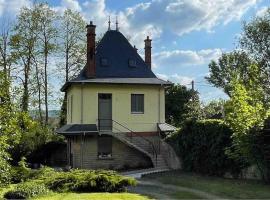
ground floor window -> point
(104, 146)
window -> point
(137, 103)
(104, 146)
(104, 62)
(132, 63)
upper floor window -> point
(132, 63)
(137, 103)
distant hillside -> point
(52, 113)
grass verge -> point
(224, 188)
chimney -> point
(91, 50)
(147, 51)
(135, 48)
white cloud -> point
(184, 16)
(158, 16)
(12, 7)
(71, 4)
(178, 58)
(68, 4)
(261, 11)
(176, 78)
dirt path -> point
(161, 191)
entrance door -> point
(105, 112)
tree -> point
(214, 109)
(256, 41)
(46, 35)
(245, 113)
(179, 104)
(73, 48)
(23, 44)
(9, 129)
(6, 57)
(229, 65)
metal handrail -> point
(154, 151)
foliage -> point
(9, 130)
(214, 109)
(255, 40)
(43, 153)
(5, 175)
(228, 65)
(202, 144)
(26, 190)
(244, 110)
(88, 181)
(33, 137)
(245, 113)
(179, 105)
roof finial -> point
(109, 23)
(116, 23)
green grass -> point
(224, 188)
(3, 190)
(92, 196)
(162, 193)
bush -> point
(88, 181)
(26, 190)
(202, 145)
(21, 172)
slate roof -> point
(116, 49)
(74, 129)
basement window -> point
(132, 63)
(137, 103)
(104, 62)
(104, 146)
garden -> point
(27, 183)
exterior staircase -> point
(145, 146)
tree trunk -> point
(46, 84)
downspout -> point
(81, 104)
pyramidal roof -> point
(113, 56)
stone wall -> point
(84, 150)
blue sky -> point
(186, 34)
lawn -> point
(221, 187)
(84, 196)
(93, 196)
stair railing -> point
(132, 134)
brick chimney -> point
(147, 51)
(91, 50)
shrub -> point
(26, 190)
(202, 145)
(21, 172)
(88, 181)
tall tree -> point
(229, 65)
(73, 48)
(256, 41)
(181, 104)
(46, 34)
(6, 57)
(23, 43)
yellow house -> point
(116, 108)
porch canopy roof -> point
(164, 127)
(76, 129)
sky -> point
(186, 34)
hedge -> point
(26, 190)
(202, 145)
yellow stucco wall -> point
(85, 98)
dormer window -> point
(104, 62)
(132, 63)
